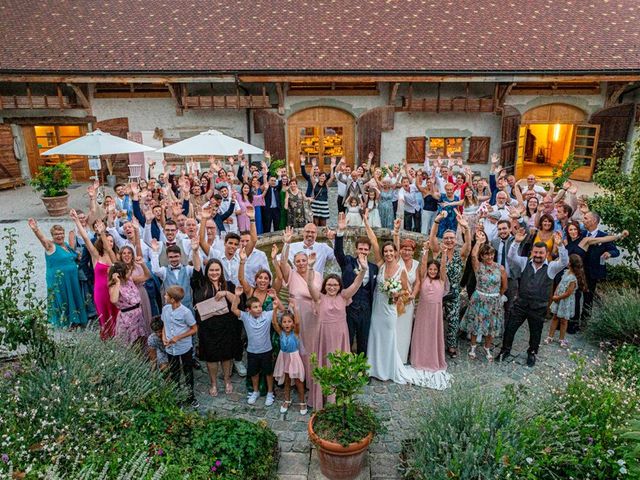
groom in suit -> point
(359, 311)
(595, 268)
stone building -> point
(532, 81)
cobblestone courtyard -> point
(400, 405)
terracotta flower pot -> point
(338, 462)
(56, 206)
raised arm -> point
(351, 290)
(46, 243)
(241, 275)
(83, 234)
(278, 280)
(513, 255)
(433, 234)
(251, 213)
(205, 215)
(310, 277)
(481, 239)
(373, 239)
(588, 241)
(466, 233)
(236, 301)
(284, 257)
(338, 248)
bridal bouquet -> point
(389, 287)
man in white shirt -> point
(129, 230)
(342, 178)
(407, 197)
(308, 244)
(256, 259)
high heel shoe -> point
(488, 352)
(472, 352)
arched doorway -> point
(548, 134)
(322, 133)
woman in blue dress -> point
(385, 205)
(65, 303)
(449, 202)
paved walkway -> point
(399, 404)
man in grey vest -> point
(536, 283)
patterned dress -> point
(130, 325)
(485, 313)
(451, 302)
(295, 215)
(385, 209)
(566, 307)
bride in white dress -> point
(382, 350)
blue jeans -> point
(428, 217)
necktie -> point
(503, 260)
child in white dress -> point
(372, 207)
(354, 215)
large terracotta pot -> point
(338, 462)
(57, 206)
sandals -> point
(228, 388)
(303, 408)
(213, 391)
(452, 352)
(285, 406)
(548, 340)
(488, 352)
(472, 352)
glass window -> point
(445, 146)
(309, 142)
(332, 143)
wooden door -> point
(321, 133)
(585, 144)
(40, 138)
(509, 145)
(479, 149)
(371, 124)
(9, 168)
(415, 149)
(614, 127)
(272, 126)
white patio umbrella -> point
(98, 143)
(211, 142)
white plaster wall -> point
(149, 113)
(418, 124)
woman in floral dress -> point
(485, 314)
(294, 204)
(124, 294)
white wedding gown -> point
(382, 351)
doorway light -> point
(556, 132)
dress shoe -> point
(531, 359)
(502, 356)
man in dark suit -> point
(359, 311)
(502, 244)
(595, 268)
(272, 204)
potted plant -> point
(343, 431)
(111, 178)
(53, 181)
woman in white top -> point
(404, 328)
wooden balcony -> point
(225, 101)
(437, 105)
(13, 102)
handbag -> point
(211, 307)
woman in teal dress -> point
(65, 303)
(485, 314)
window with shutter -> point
(479, 149)
(415, 149)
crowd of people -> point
(170, 265)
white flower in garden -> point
(529, 460)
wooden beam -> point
(466, 97)
(393, 93)
(614, 91)
(60, 96)
(84, 101)
(410, 95)
(176, 99)
(280, 93)
(29, 95)
(438, 99)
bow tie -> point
(170, 244)
(175, 268)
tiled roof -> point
(319, 35)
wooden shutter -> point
(614, 127)
(371, 124)
(585, 142)
(416, 147)
(479, 149)
(509, 145)
(272, 126)
(9, 168)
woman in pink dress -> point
(331, 303)
(243, 200)
(299, 291)
(427, 341)
(124, 294)
(139, 272)
(102, 256)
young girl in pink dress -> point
(299, 291)
(289, 368)
(427, 342)
(332, 302)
